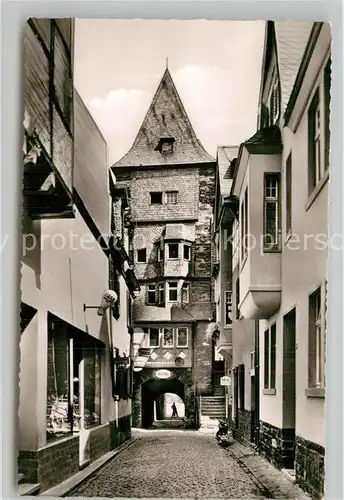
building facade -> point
(280, 180)
(170, 180)
(74, 405)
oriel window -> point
(172, 291)
(272, 228)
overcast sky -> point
(215, 65)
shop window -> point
(182, 337)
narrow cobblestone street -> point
(176, 464)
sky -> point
(215, 65)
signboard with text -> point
(225, 381)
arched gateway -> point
(149, 388)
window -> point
(228, 303)
(72, 358)
(167, 337)
(153, 337)
(244, 226)
(271, 212)
(253, 363)
(156, 198)
(187, 252)
(92, 372)
(114, 285)
(274, 100)
(316, 341)
(327, 103)
(142, 255)
(182, 337)
(173, 251)
(315, 141)
(151, 290)
(172, 197)
(288, 194)
(185, 293)
(172, 291)
(161, 293)
(270, 358)
(237, 300)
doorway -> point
(289, 389)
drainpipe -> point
(257, 382)
(193, 332)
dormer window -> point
(165, 145)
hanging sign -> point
(226, 381)
(163, 374)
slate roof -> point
(291, 41)
(166, 117)
(269, 137)
(225, 157)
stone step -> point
(27, 489)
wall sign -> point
(226, 381)
(163, 374)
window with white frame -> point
(182, 337)
(187, 252)
(316, 340)
(161, 293)
(244, 225)
(171, 197)
(185, 293)
(272, 228)
(151, 294)
(270, 358)
(228, 305)
(167, 339)
(154, 337)
(172, 291)
(319, 129)
(173, 251)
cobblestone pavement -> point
(175, 464)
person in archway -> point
(174, 411)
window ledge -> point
(269, 392)
(315, 392)
(312, 197)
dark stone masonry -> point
(310, 467)
(242, 432)
(277, 445)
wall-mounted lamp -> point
(109, 299)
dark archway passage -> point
(152, 390)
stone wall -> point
(202, 361)
(242, 432)
(99, 441)
(310, 467)
(52, 464)
(277, 445)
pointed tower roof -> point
(166, 136)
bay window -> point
(185, 293)
(228, 305)
(173, 251)
(172, 291)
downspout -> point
(257, 383)
(193, 333)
